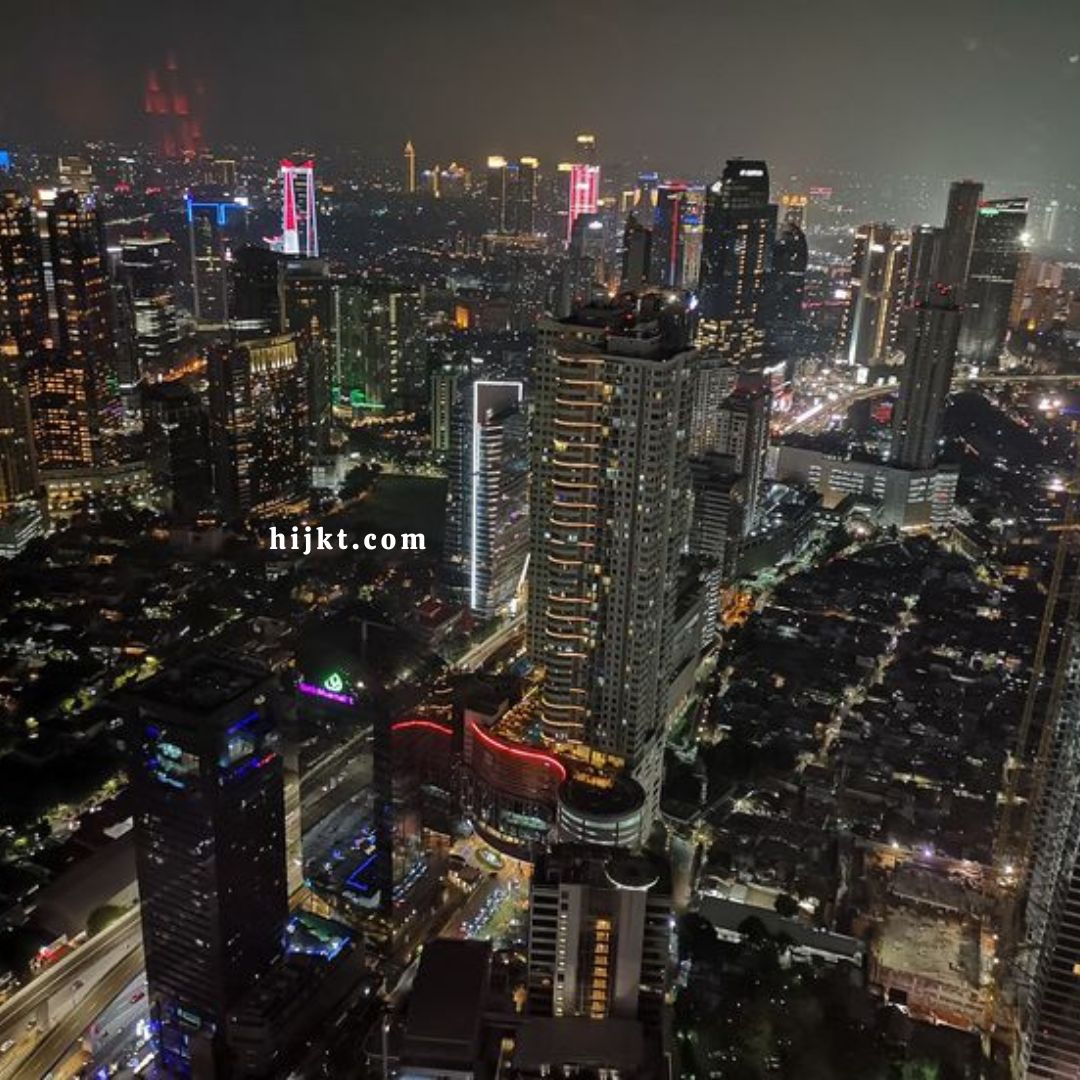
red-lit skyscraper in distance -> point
(174, 112)
(299, 230)
(584, 193)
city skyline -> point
(791, 98)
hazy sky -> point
(940, 87)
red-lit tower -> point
(174, 112)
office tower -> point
(445, 393)
(258, 424)
(148, 268)
(599, 935)
(992, 272)
(217, 225)
(720, 511)
(511, 192)
(176, 434)
(74, 174)
(380, 354)
(258, 292)
(583, 270)
(920, 273)
(790, 259)
(636, 256)
(299, 210)
(410, 168)
(1048, 222)
(742, 433)
(645, 194)
(309, 310)
(487, 512)
(953, 249)
(929, 344)
(609, 511)
(583, 193)
(223, 173)
(667, 235)
(60, 413)
(879, 263)
(85, 316)
(692, 229)
(24, 336)
(1050, 958)
(794, 207)
(208, 804)
(736, 252)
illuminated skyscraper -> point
(487, 515)
(299, 210)
(879, 264)
(740, 225)
(609, 510)
(995, 257)
(59, 410)
(790, 260)
(85, 316)
(216, 228)
(930, 332)
(258, 424)
(584, 193)
(410, 168)
(148, 267)
(24, 336)
(380, 358)
(742, 433)
(207, 788)
(512, 188)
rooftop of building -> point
(578, 1042)
(602, 796)
(203, 682)
(447, 1003)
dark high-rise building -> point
(24, 336)
(148, 267)
(85, 316)
(790, 258)
(879, 263)
(1050, 1046)
(258, 293)
(217, 225)
(207, 786)
(636, 254)
(992, 272)
(309, 314)
(176, 434)
(258, 424)
(924, 244)
(666, 249)
(742, 434)
(929, 344)
(953, 248)
(736, 253)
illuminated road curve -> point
(819, 414)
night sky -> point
(937, 87)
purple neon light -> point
(331, 695)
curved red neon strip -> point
(515, 751)
(404, 725)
